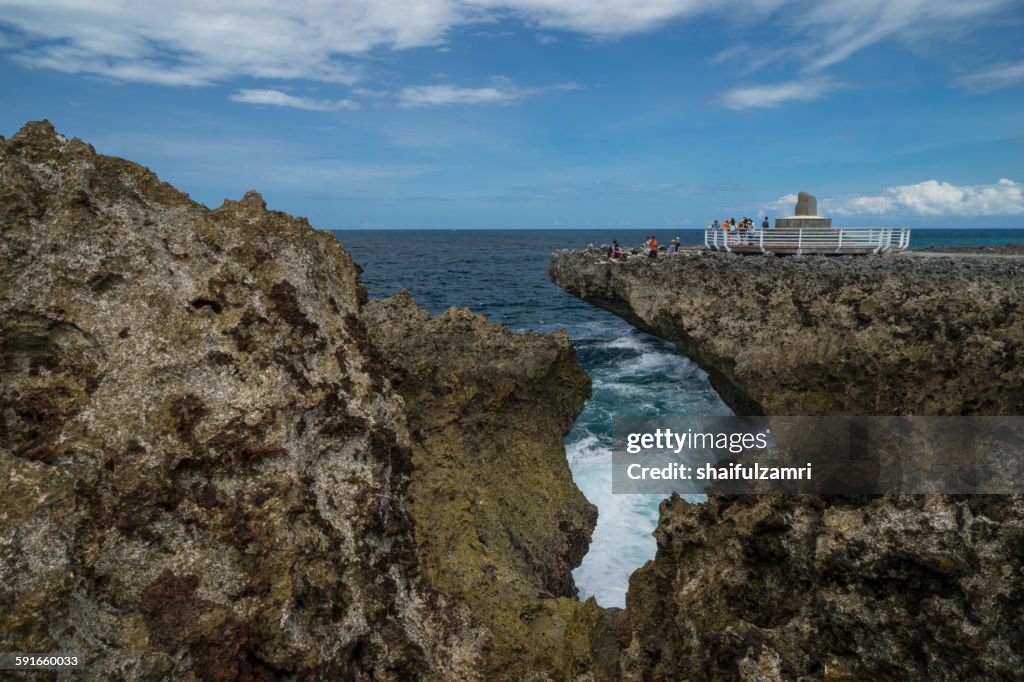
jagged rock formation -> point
(828, 335)
(812, 587)
(787, 587)
(218, 461)
(205, 469)
(487, 409)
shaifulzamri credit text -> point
(733, 471)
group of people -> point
(741, 231)
(649, 247)
(747, 224)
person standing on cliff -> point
(764, 223)
(653, 246)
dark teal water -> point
(503, 274)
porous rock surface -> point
(784, 587)
(821, 335)
(204, 468)
(487, 412)
(791, 587)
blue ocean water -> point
(503, 274)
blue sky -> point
(543, 113)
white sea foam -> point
(627, 342)
(632, 374)
(588, 449)
(622, 540)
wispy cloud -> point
(754, 60)
(996, 77)
(329, 173)
(825, 33)
(280, 99)
(775, 94)
(195, 42)
(207, 159)
(444, 95)
(842, 28)
(502, 91)
(370, 92)
(606, 17)
(610, 189)
(928, 198)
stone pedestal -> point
(803, 221)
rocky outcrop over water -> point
(820, 335)
(775, 587)
(206, 470)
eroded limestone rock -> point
(823, 335)
(207, 473)
(499, 522)
(204, 469)
(776, 587)
(770, 587)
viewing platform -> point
(810, 240)
(806, 232)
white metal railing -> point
(810, 240)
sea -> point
(503, 274)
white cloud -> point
(279, 99)
(501, 92)
(993, 78)
(774, 94)
(842, 27)
(602, 17)
(196, 42)
(442, 95)
(827, 32)
(928, 198)
(370, 92)
(331, 174)
(784, 205)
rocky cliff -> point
(487, 411)
(788, 587)
(206, 470)
(219, 461)
(827, 335)
(777, 587)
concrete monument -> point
(806, 214)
